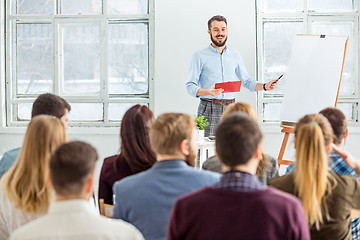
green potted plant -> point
(201, 123)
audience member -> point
(239, 206)
(136, 154)
(327, 197)
(24, 192)
(336, 164)
(71, 216)
(147, 198)
(268, 167)
(48, 104)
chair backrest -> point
(105, 209)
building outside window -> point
(97, 54)
(278, 21)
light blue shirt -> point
(8, 160)
(208, 67)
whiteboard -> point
(314, 75)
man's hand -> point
(271, 85)
(349, 160)
(215, 92)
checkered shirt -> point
(241, 181)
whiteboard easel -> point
(314, 79)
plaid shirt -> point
(241, 181)
(338, 165)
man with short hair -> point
(216, 64)
(338, 122)
(71, 216)
(239, 206)
(48, 104)
(146, 199)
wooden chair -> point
(105, 209)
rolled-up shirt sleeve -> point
(192, 85)
(243, 75)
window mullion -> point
(104, 92)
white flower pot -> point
(200, 135)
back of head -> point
(338, 123)
(313, 133)
(237, 138)
(134, 137)
(70, 166)
(169, 130)
(240, 107)
(49, 104)
(26, 181)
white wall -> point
(181, 30)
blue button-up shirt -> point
(8, 160)
(208, 67)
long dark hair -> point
(134, 137)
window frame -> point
(8, 82)
(307, 17)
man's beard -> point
(191, 157)
(217, 43)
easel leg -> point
(283, 147)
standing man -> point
(215, 64)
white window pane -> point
(272, 112)
(117, 110)
(282, 5)
(81, 59)
(81, 7)
(34, 6)
(349, 109)
(128, 58)
(34, 58)
(332, 5)
(24, 111)
(278, 37)
(341, 29)
(127, 6)
(86, 112)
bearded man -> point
(216, 64)
(147, 198)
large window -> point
(97, 54)
(278, 21)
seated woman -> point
(24, 190)
(327, 197)
(135, 155)
(268, 167)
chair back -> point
(105, 209)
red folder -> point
(233, 86)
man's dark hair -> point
(237, 137)
(49, 104)
(218, 18)
(70, 165)
(337, 121)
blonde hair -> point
(248, 109)
(168, 130)
(240, 107)
(26, 181)
(313, 133)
